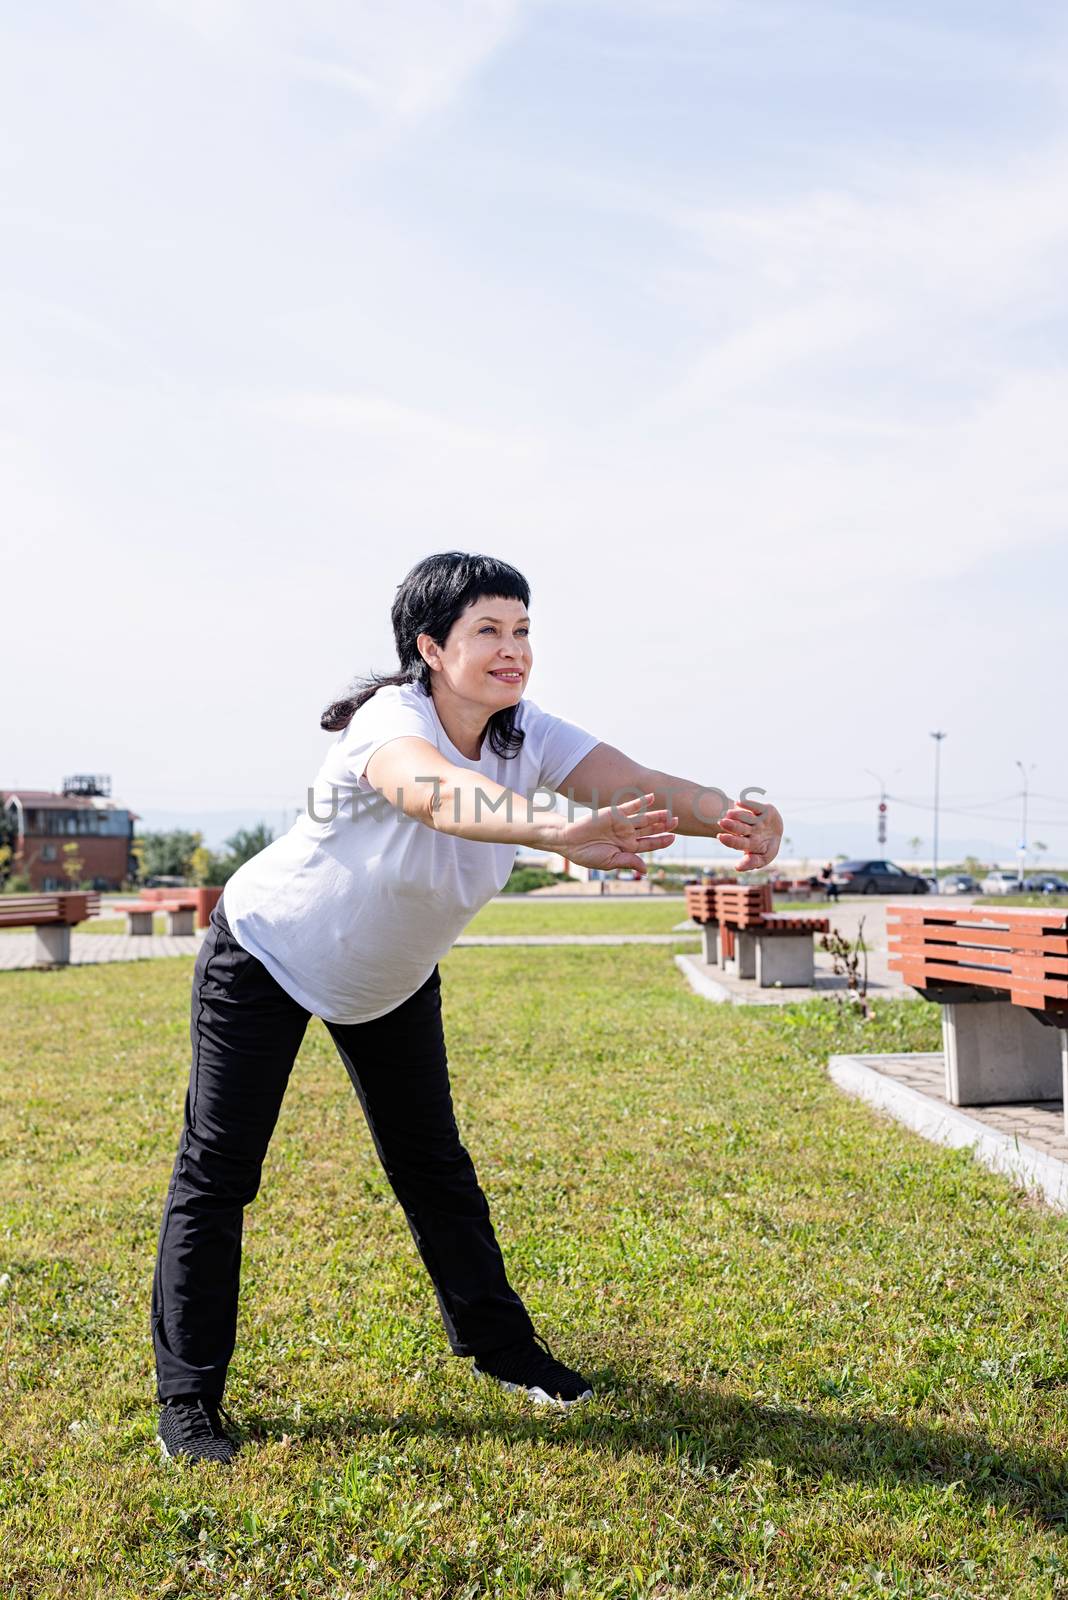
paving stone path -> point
(1039, 1123)
(87, 949)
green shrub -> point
(524, 879)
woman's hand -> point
(754, 828)
(613, 836)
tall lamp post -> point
(937, 737)
(1022, 856)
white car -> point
(1000, 881)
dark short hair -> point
(430, 598)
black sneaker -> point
(189, 1426)
(529, 1365)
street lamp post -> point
(1022, 854)
(937, 737)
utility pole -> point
(937, 737)
(1022, 855)
(880, 826)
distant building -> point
(82, 813)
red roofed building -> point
(84, 814)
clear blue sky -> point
(740, 328)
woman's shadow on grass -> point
(709, 1434)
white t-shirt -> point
(350, 914)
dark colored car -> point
(958, 883)
(877, 877)
(1046, 883)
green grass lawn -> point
(102, 925)
(830, 1357)
(579, 916)
(1060, 901)
(117, 925)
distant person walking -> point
(830, 888)
(420, 804)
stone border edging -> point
(947, 1125)
(706, 987)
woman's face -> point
(487, 656)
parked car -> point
(1046, 883)
(1001, 881)
(877, 877)
(959, 883)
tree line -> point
(183, 854)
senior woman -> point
(413, 824)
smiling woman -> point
(439, 598)
(412, 826)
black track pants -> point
(246, 1032)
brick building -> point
(82, 813)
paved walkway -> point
(1039, 1123)
(713, 984)
(88, 949)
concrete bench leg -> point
(52, 946)
(180, 921)
(997, 1052)
(139, 921)
(710, 943)
(744, 963)
(786, 959)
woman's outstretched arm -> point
(607, 776)
(414, 776)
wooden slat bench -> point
(784, 953)
(745, 937)
(796, 888)
(139, 916)
(51, 916)
(1001, 978)
(202, 900)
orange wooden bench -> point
(744, 936)
(139, 916)
(51, 916)
(796, 888)
(1001, 978)
(201, 900)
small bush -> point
(524, 879)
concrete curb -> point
(948, 1125)
(706, 987)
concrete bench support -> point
(710, 943)
(744, 963)
(786, 959)
(998, 1052)
(139, 922)
(51, 945)
(180, 921)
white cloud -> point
(405, 59)
(745, 360)
(376, 417)
(412, 57)
(975, 237)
